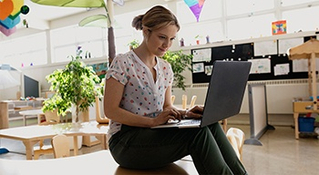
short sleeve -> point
(117, 69)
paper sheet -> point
(260, 66)
(281, 69)
(263, 48)
(201, 55)
(198, 67)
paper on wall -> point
(281, 69)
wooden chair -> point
(236, 138)
(184, 101)
(193, 100)
(50, 118)
(99, 119)
(61, 146)
(173, 99)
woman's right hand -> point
(167, 114)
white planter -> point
(79, 142)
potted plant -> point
(133, 44)
(179, 62)
(197, 38)
(74, 86)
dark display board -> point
(31, 87)
(237, 52)
(244, 52)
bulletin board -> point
(269, 60)
(204, 58)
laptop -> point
(224, 94)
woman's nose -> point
(166, 43)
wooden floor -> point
(280, 153)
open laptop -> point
(224, 94)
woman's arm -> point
(112, 97)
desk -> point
(36, 112)
(96, 163)
(30, 135)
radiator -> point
(279, 94)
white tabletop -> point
(40, 131)
(96, 163)
(31, 112)
(92, 163)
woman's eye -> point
(162, 37)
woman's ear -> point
(146, 31)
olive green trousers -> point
(145, 148)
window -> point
(209, 23)
(211, 29)
(304, 19)
(124, 32)
(235, 7)
(65, 42)
(290, 2)
(25, 51)
(250, 27)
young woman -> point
(138, 96)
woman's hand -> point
(194, 112)
(167, 114)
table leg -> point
(103, 140)
(29, 148)
(25, 120)
(296, 115)
(75, 145)
(39, 119)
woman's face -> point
(159, 41)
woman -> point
(138, 96)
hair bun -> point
(137, 22)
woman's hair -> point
(155, 18)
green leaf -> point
(72, 3)
(95, 21)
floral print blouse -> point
(141, 94)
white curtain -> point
(6, 80)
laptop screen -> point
(225, 91)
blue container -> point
(306, 124)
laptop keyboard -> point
(189, 122)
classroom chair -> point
(60, 144)
(50, 118)
(236, 138)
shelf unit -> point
(9, 110)
(310, 51)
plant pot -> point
(79, 142)
(52, 117)
(80, 117)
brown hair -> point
(155, 18)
